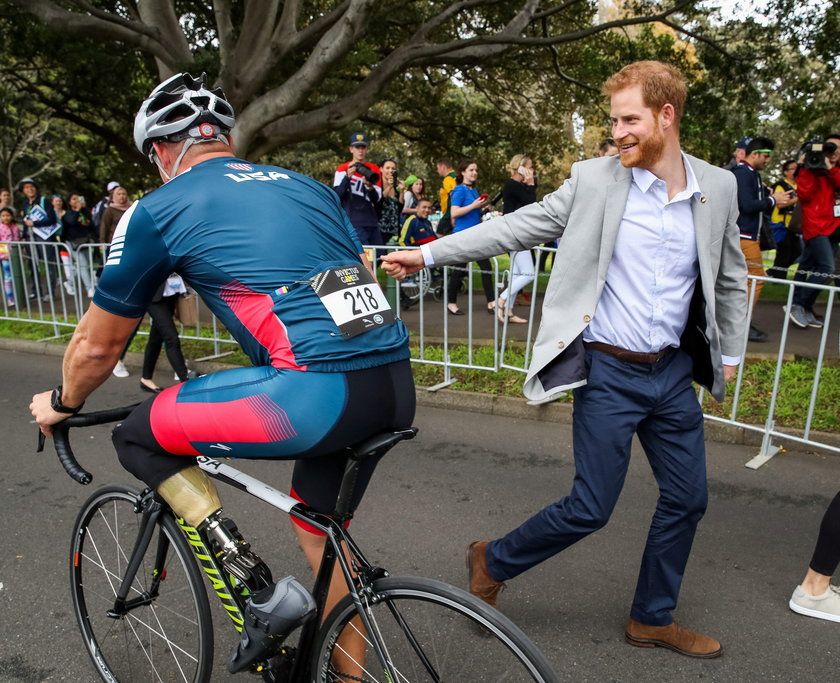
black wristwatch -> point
(58, 406)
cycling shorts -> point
(269, 413)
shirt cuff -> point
(427, 255)
(731, 360)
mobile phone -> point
(483, 196)
(522, 170)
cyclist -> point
(274, 257)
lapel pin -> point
(702, 199)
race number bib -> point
(353, 299)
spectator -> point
(817, 188)
(786, 231)
(69, 282)
(607, 148)
(118, 205)
(164, 333)
(466, 205)
(41, 226)
(739, 153)
(359, 187)
(754, 200)
(447, 173)
(78, 230)
(519, 190)
(632, 240)
(9, 232)
(415, 191)
(102, 204)
(389, 207)
(815, 596)
(418, 229)
(5, 198)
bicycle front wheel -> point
(428, 631)
(168, 634)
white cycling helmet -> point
(180, 108)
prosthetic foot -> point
(270, 616)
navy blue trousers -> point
(658, 403)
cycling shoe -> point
(270, 615)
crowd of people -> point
(50, 223)
(47, 222)
(383, 209)
(798, 215)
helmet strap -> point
(189, 142)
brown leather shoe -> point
(674, 637)
(482, 585)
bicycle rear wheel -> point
(167, 638)
(430, 631)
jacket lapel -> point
(702, 219)
(615, 200)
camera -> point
(371, 176)
(815, 154)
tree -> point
(298, 69)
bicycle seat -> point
(380, 443)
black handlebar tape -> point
(62, 441)
(66, 458)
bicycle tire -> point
(462, 638)
(168, 639)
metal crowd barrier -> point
(50, 283)
(768, 430)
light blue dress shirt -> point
(651, 277)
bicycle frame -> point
(333, 527)
(337, 538)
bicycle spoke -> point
(427, 632)
(165, 636)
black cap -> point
(760, 144)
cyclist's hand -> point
(398, 264)
(45, 416)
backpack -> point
(795, 224)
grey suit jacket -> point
(585, 213)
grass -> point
(795, 387)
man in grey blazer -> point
(648, 292)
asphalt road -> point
(466, 476)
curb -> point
(472, 402)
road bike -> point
(143, 610)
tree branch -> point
(138, 34)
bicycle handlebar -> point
(62, 438)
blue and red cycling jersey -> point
(248, 238)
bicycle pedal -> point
(278, 669)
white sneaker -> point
(825, 606)
(69, 288)
(120, 370)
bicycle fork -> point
(151, 510)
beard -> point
(646, 152)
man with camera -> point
(754, 200)
(818, 186)
(359, 186)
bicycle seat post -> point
(348, 487)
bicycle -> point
(144, 614)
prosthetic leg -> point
(273, 610)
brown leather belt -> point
(629, 356)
